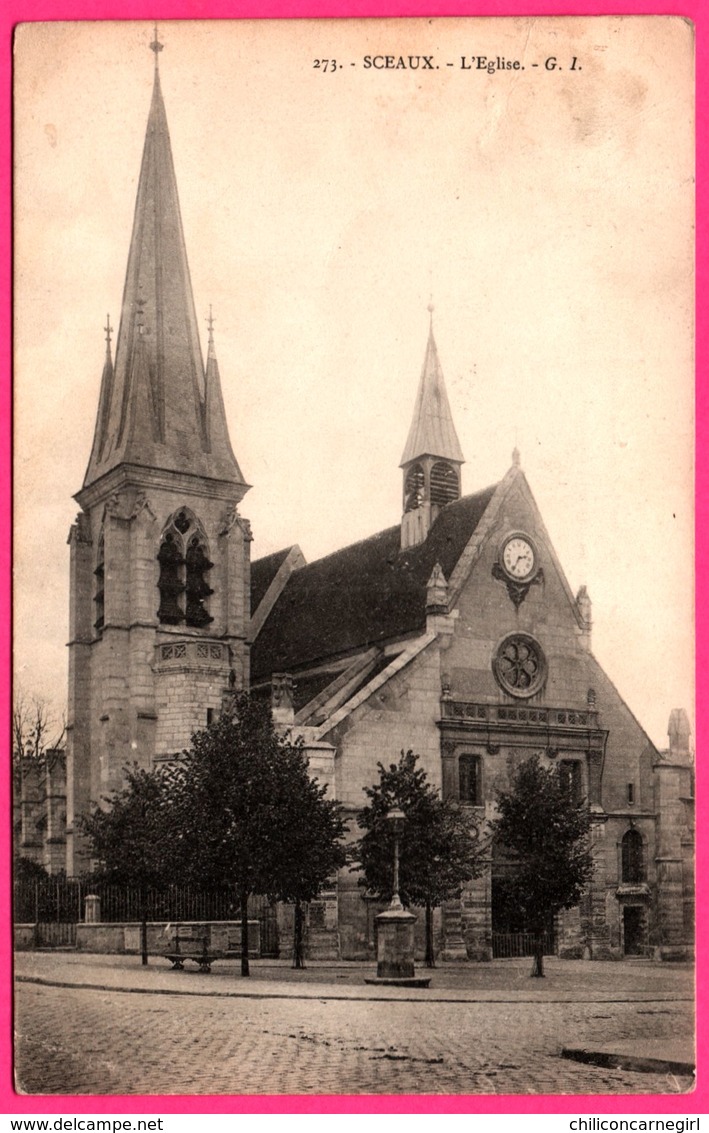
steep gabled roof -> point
(263, 572)
(158, 408)
(369, 592)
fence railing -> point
(62, 900)
(506, 945)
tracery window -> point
(414, 488)
(444, 484)
(184, 562)
(519, 665)
(470, 780)
(632, 857)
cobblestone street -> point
(76, 1040)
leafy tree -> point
(27, 869)
(314, 830)
(542, 832)
(439, 844)
(133, 837)
(249, 814)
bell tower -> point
(432, 457)
(159, 604)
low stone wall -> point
(222, 936)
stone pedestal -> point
(92, 909)
(453, 943)
(395, 950)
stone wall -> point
(125, 938)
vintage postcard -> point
(354, 446)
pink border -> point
(23, 10)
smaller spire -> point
(516, 458)
(432, 431)
(210, 329)
(156, 46)
(109, 330)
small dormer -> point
(432, 457)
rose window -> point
(519, 665)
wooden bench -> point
(192, 945)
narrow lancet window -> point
(170, 582)
(99, 592)
(196, 589)
(470, 780)
(632, 858)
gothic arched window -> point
(414, 488)
(632, 857)
(444, 484)
(183, 563)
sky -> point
(545, 211)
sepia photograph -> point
(353, 524)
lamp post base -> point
(395, 950)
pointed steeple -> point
(432, 456)
(155, 409)
(432, 431)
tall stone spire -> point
(432, 431)
(155, 410)
(432, 456)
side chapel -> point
(454, 632)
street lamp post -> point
(395, 928)
(396, 819)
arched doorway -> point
(634, 930)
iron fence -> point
(60, 901)
(506, 945)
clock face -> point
(519, 558)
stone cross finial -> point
(156, 45)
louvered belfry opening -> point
(184, 562)
(444, 484)
(414, 488)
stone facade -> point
(454, 634)
(443, 692)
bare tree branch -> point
(36, 731)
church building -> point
(454, 632)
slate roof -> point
(367, 593)
(158, 407)
(432, 431)
(263, 572)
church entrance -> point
(633, 930)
